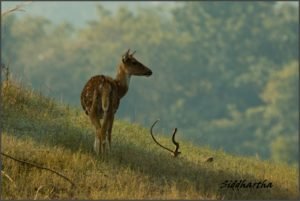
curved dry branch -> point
(166, 148)
(38, 166)
(16, 8)
(176, 152)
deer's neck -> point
(123, 79)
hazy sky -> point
(59, 11)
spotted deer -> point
(101, 95)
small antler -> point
(132, 53)
(176, 152)
(127, 52)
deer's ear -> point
(125, 56)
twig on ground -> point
(176, 152)
(37, 192)
(9, 178)
(38, 166)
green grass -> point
(42, 131)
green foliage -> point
(224, 73)
(281, 94)
(285, 148)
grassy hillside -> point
(42, 131)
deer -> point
(101, 95)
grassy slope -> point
(42, 131)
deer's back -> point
(98, 85)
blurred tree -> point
(285, 149)
(222, 71)
(282, 112)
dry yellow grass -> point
(45, 132)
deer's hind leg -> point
(109, 130)
(95, 119)
(97, 141)
(102, 133)
(106, 108)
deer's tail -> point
(105, 97)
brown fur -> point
(101, 95)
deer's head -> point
(133, 67)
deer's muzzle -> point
(148, 73)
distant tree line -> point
(226, 74)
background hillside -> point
(54, 135)
(226, 74)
